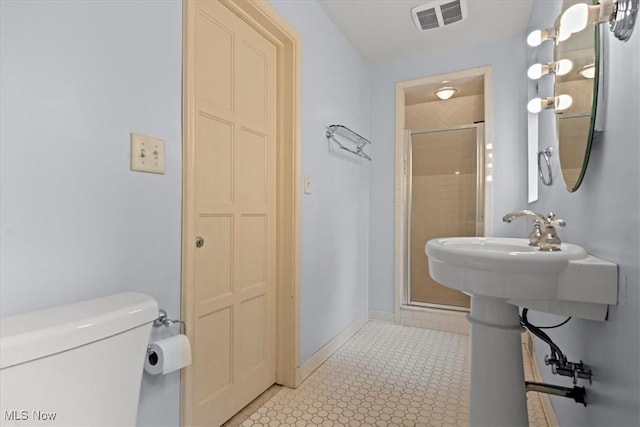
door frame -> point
(402, 170)
(266, 21)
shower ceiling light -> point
(445, 92)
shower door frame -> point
(480, 201)
(403, 312)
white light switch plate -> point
(147, 154)
(307, 184)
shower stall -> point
(445, 189)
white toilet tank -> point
(75, 365)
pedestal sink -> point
(501, 274)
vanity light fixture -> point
(445, 92)
(560, 68)
(620, 14)
(588, 71)
(558, 103)
(536, 37)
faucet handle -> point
(536, 233)
(550, 240)
(550, 221)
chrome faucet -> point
(546, 239)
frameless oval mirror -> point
(576, 123)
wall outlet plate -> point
(147, 154)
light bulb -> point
(535, 105)
(560, 68)
(535, 71)
(574, 19)
(588, 71)
(538, 104)
(534, 38)
(563, 35)
(562, 102)
(563, 66)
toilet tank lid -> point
(29, 336)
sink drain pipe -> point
(579, 394)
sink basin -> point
(503, 253)
(566, 282)
(501, 274)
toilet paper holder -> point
(163, 320)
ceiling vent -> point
(436, 14)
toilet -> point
(75, 365)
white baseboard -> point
(320, 356)
(434, 319)
(425, 317)
(382, 316)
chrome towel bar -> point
(352, 137)
(546, 154)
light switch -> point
(307, 184)
(147, 154)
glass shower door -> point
(445, 200)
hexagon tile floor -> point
(385, 375)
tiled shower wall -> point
(452, 112)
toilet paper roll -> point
(168, 355)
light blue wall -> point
(76, 78)
(335, 217)
(603, 216)
(507, 59)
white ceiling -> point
(383, 30)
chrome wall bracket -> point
(163, 320)
(622, 22)
(357, 141)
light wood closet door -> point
(235, 171)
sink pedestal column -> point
(498, 396)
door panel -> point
(252, 152)
(235, 166)
(214, 50)
(253, 341)
(214, 152)
(214, 342)
(251, 76)
(213, 277)
(252, 252)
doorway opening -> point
(444, 165)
